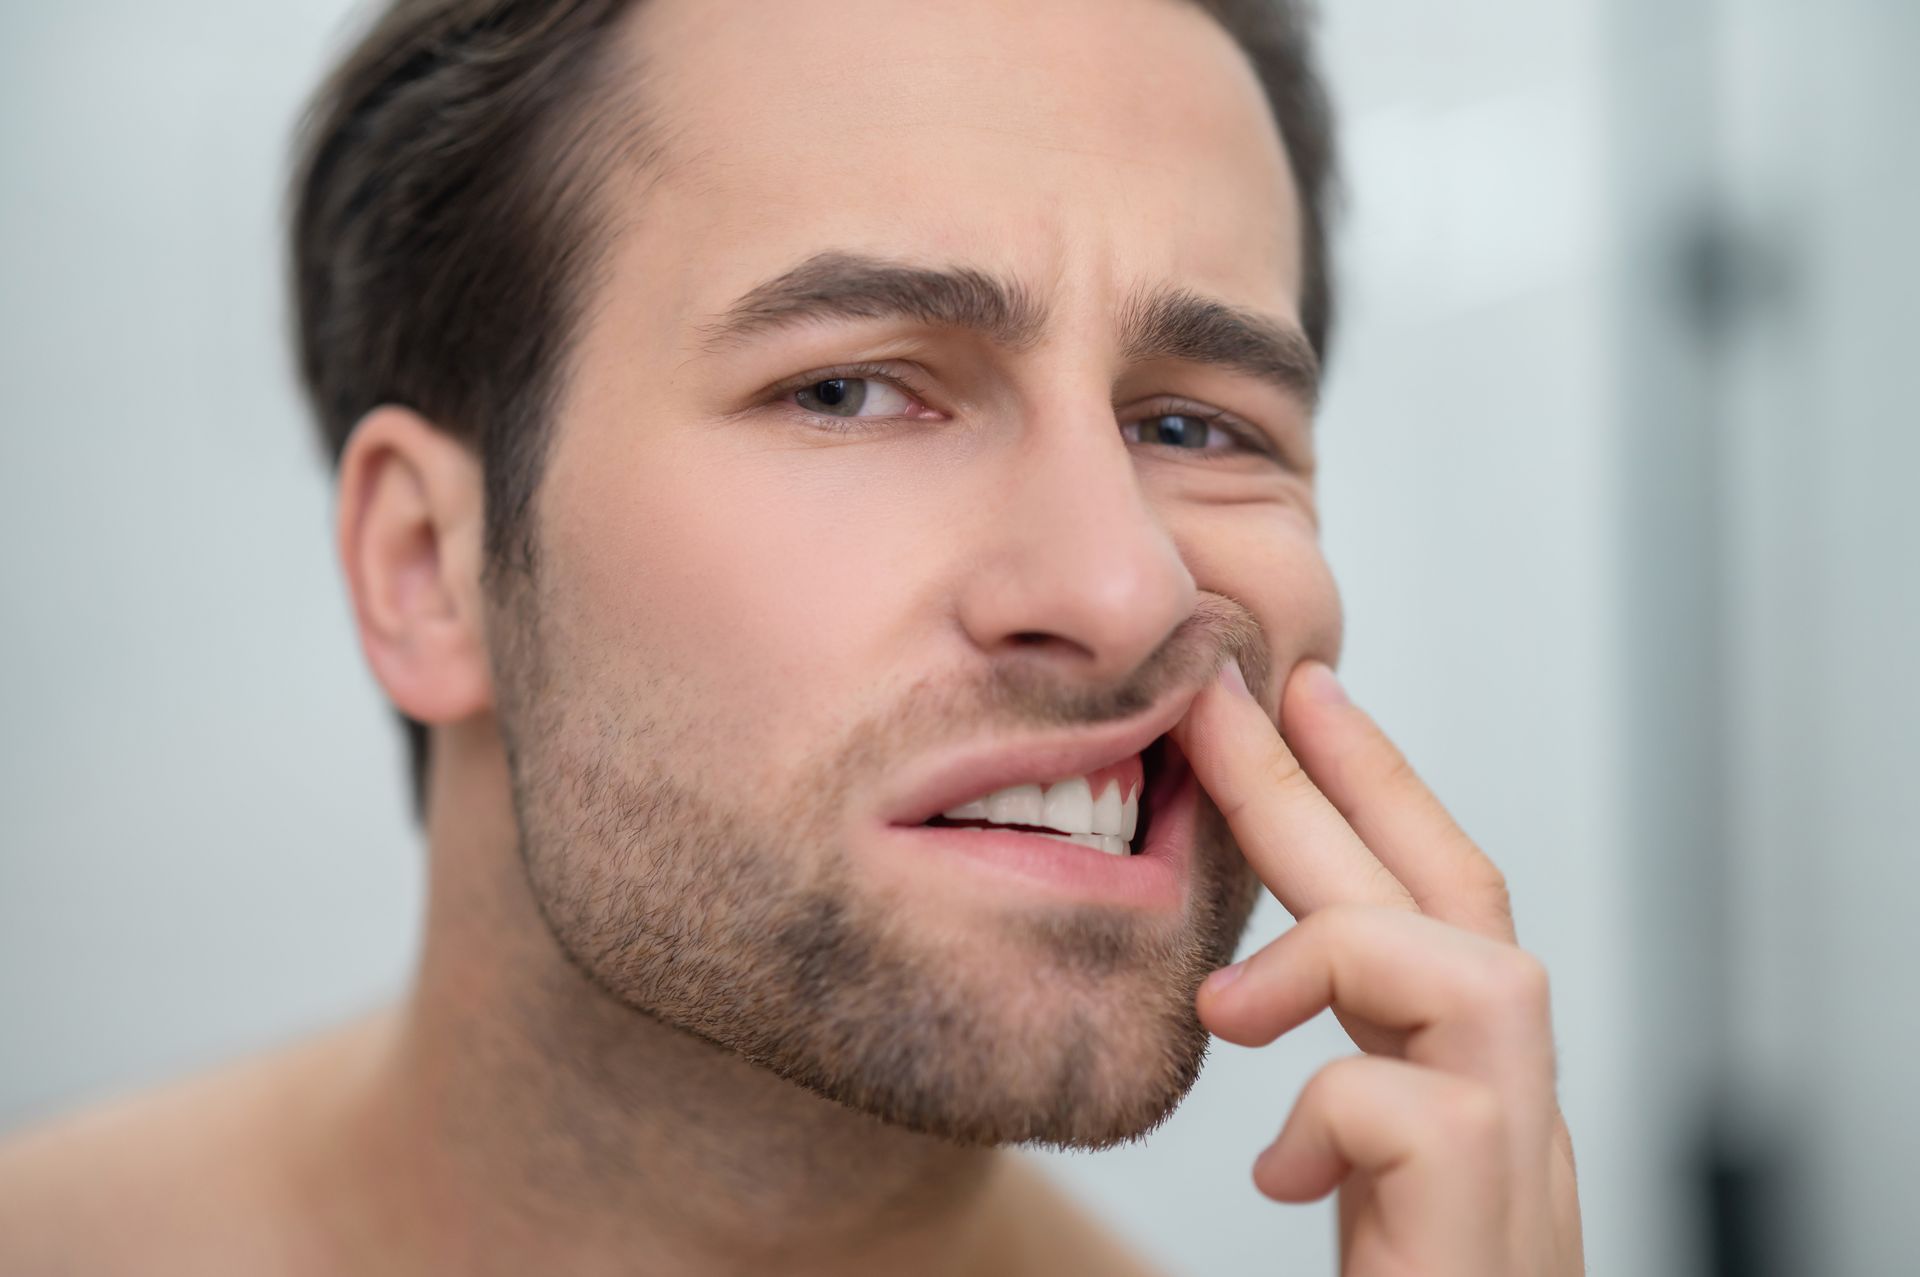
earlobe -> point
(408, 532)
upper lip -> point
(975, 771)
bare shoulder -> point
(189, 1177)
(1053, 1233)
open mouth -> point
(1109, 811)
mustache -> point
(1018, 695)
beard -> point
(731, 910)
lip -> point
(1157, 878)
(976, 770)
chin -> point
(1022, 1049)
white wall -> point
(205, 843)
(1819, 102)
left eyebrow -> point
(1180, 324)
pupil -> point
(841, 396)
(1178, 430)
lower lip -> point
(1155, 878)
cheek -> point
(755, 588)
(1274, 567)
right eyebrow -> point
(855, 286)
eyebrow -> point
(1181, 324)
(851, 286)
(1165, 323)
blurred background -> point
(1618, 450)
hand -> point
(1445, 1139)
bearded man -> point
(829, 487)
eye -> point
(1189, 430)
(853, 397)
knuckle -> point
(1531, 986)
(1284, 773)
(1338, 919)
(1396, 773)
(1337, 927)
(1515, 983)
(1492, 884)
(1385, 885)
(1330, 1089)
(1470, 1118)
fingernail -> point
(1235, 681)
(1323, 686)
(1224, 977)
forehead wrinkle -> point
(855, 286)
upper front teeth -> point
(1067, 805)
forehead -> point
(1084, 147)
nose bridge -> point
(1079, 569)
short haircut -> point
(446, 226)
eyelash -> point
(1249, 437)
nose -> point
(1077, 570)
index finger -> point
(1298, 843)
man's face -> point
(810, 563)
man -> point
(812, 476)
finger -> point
(1296, 841)
(1434, 1146)
(1455, 1001)
(1368, 780)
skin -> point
(658, 766)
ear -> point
(408, 531)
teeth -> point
(1018, 805)
(1106, 813)
(1112, 844)
(1068, 806)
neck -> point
(527, 1121)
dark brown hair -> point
(446, 230)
